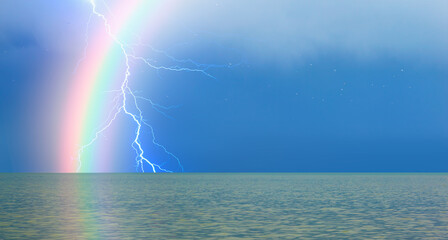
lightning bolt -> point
(125, 96)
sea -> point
(224, 206)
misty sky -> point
(315, 85)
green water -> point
(224, 206)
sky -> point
(284, 86)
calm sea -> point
(224, 206)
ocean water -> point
(224, 206)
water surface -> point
(230, 206)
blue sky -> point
(319, 85)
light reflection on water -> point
(197, 206)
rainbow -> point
(88, 103)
